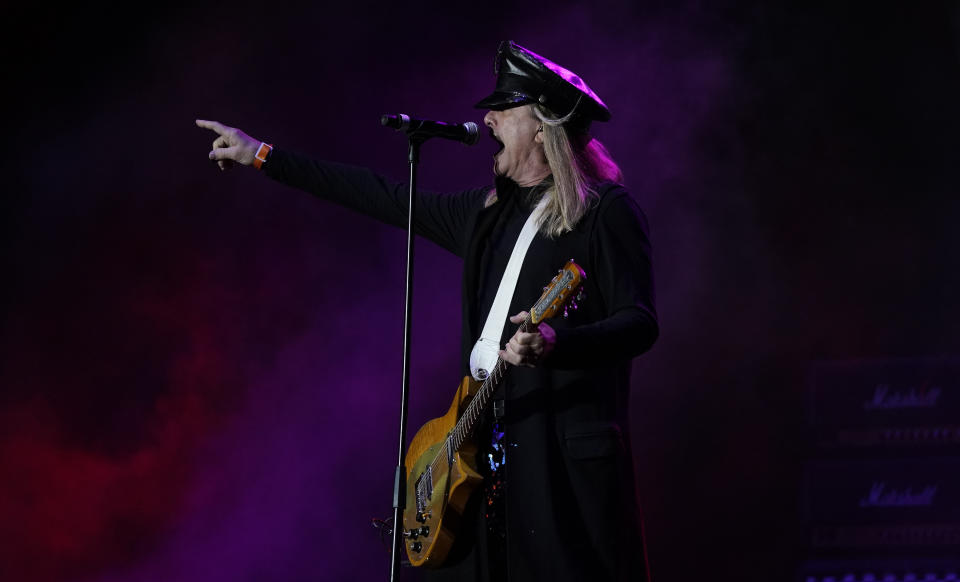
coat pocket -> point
(592, 440)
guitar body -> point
(455, 478)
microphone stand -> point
(399, 483)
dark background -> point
(199, 370)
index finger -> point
(213, 125)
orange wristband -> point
(261, 155)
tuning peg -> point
(566, 312)
(581, 294)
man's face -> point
(521, 156)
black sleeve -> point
(620, 253)
(441, 218)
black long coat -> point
(571, 503)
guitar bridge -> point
(424, 489)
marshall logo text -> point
(885, 398)
(882, 496)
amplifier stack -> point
(881, 486)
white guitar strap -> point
(486, 351)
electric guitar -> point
(444, 475)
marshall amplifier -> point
(909, 569)
(883, 505)
(892, 404)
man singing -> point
(558, 500)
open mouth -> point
(500, 145)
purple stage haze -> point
(200, 370)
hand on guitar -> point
(529, 349)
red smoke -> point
(68, 509)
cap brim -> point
(499, 100)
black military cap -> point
(525, 77)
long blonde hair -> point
(578, 163)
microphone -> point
(465, 133)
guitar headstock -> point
(561, 290)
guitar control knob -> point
(413, 534)
(416, 547)
(420, 518)
(424, 530)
